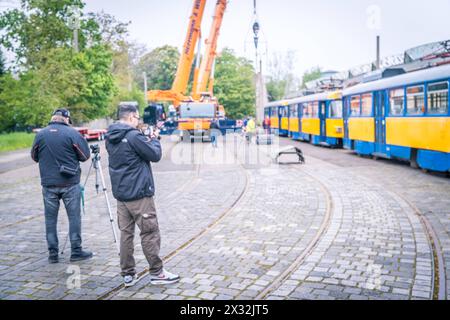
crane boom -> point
(204, 74)
(187, 56)
(179, 86)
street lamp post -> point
(74, 24)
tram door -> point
(380, 122)
(323, 119)
(346, 113)
(299, 117)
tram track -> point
(439, 291)
(309, 248)
(195, 238)
(439, 285)
(88, 198)
(180, 189)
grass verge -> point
(15, 141)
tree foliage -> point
(123, 63)
(160, 65)
(281, 79)
(51, 73)
(234, 85)
(37, 27)
(311, 75)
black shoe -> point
(53, 258)
(81, 255)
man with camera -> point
(130, 153)
(58, 149)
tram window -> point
(396, 98)
(355, 106)
(415, 100)
(336, 109)
(366, 105)
(438, 98)
(294, 111)
(315, 109)
(305, 110)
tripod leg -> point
(65, 243)
(111, 217)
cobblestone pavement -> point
(244, 229)
(428, 192)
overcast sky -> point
(333, 34)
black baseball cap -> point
(63, 113)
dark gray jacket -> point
(67, 147)
(130, 153)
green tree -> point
(281, 80)
(160, 65)
(96, 95)
(107, 29)
(311, 75)
(234, 84)
(276, 89)
(36, 27)
(128, 90)
(52, 74)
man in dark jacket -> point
(58, 149)
(130, 153)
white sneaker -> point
(165, 277)
(130, 281)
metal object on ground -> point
(290, 150)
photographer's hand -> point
(155, 134)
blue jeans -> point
(214, 140)
(71, 197)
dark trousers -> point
(71, 197)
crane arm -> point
(210, 51)
(179, 86)
(187, 56)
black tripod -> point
(99, 178)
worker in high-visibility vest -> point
(250, 129)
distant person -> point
(245, 122)
(130, 153)
(266, 124)
(215, 132)
(172, 111)
(58, 149)
(250, 129)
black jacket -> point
(67, 147)
(130, 153)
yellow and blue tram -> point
(405, 117)
(278, 112)
(315, 118)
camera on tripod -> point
(95, 148)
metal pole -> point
(75, 40)
(144, 74)
(378, 53)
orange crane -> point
(206, 71)
(196, 111)
(177, 94)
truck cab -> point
(194, 118)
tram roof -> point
(329, 95)
(435, 73)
